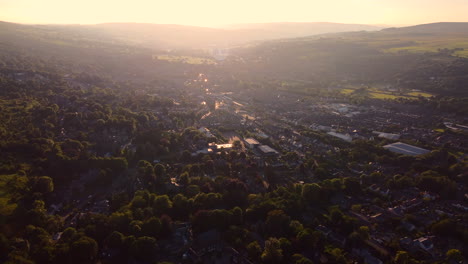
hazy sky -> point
(223, 12)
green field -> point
(377, 93)
(433, 46)
(423, 94)
(347, 91)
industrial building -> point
(267, 150)
(402, 148)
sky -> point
(215, 13)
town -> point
(186, 159)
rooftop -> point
(406, 149)
(252, 141)
(345, 137)
(267, 149)
(223, 146)
(387, 135)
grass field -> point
(462, 53)
(377, 93)
(422, 43)
(347, 91)
(423, 94)
(433, 46)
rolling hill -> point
(165, 36)
(432, 28)
(432, 58)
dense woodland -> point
(92, 121)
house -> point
(408, 226)
(206, 132)
(380, 217)
(413, 203)
(337, 239)
(387, 135)
(267, 150)
(397, 211)
(251, 143)
(219, 147)
(323, 229)
(378, 190)
(427, 196)
(424, 243)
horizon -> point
(211, 13)
(224, 26)
(230, 26)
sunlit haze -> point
(221, 12)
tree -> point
(144, 248)
(286, 247)
(192, 190)
(152, 227)
(120, 220)
(135, 228)
(166, 225)
(160, 172)
(44, 185)
(352, 186)
(236, 144)
(454, 255)
(364, 232)
(84, 249)
(277, 223)
(355, 239)
(146, 172)
(236, 236)
(4, 247)
(37, 216)
(254, 251)
(445, 227)
(162, 204)
(300, 259)
(68, 234)
(296, 227)
(181, 206)
(184, 179)
(272, 252)
(311, 192)
(116, 240)
(237, 216)
(337, 255)
(308, 238)
(336, 216)
(402, 257)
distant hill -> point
(299, 29)
(431, 57)
(178, 36)
(432, 28)
(166, 36)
